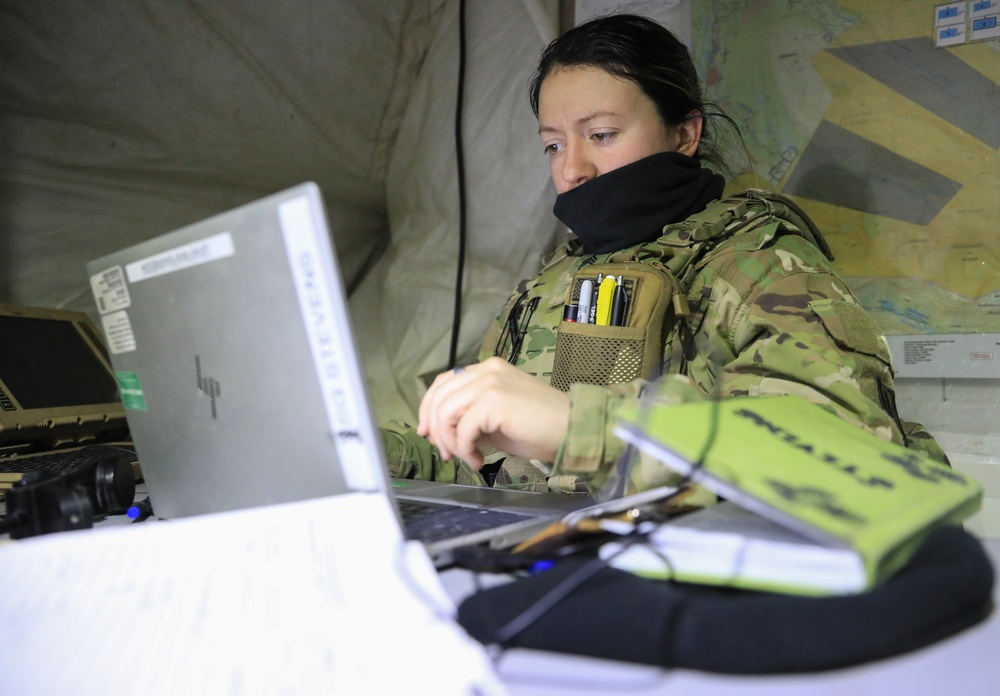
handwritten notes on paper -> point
(322, 596)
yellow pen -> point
(605, 294)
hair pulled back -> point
(642, 51)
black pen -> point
(618, 303)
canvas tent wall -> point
(122, 121)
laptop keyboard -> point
(429, 522)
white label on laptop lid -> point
(118, 330)
(326, 341)
(218, 246)
(110, 290)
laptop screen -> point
(47, 363)
(55, 380)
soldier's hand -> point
(493, 403)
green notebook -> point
(803, 468)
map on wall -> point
(891, 145)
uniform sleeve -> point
(802, 332)
(593, 456)
(409, 456)
(779, 321)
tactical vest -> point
(540, 336)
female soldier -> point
(758, 308)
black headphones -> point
(43, 503)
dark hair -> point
(642, 51)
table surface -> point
(967, 663)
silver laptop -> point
(234, 354)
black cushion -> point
(946, 587)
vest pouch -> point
(603, 355)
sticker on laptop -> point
(218, 246)
(118, 332)
(331, 348)
(131, 390)
(110, 290)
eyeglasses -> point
(515, 327)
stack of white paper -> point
(322, 596)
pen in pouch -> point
(604, 297)
(593, 298)
(593, 302)
(619, 303)
(586, 301)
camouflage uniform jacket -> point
(768, 315)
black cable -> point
(550, 599)
(456, 323)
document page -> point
(322, 596)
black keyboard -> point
(55, 463)
(68, 489)
(427, 521)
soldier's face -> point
(592, 122)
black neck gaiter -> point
(631, 204)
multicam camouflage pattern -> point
(769, 315)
